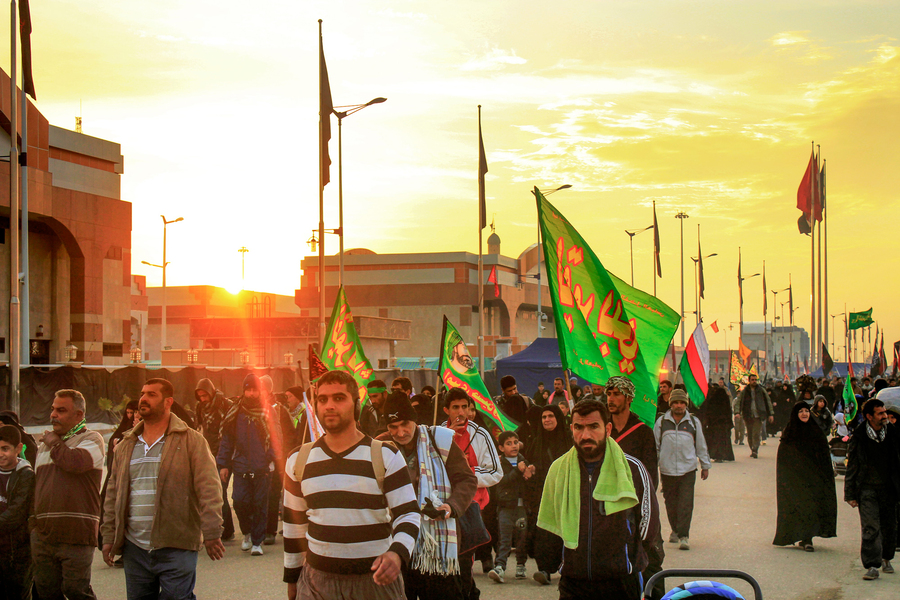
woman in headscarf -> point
(717, 424)
(807, 501)
(783, 403)
(821, 415)
(551, 441)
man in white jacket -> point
(680, 443)
(481, 454)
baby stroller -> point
(839, 447)
(702, 589)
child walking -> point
(511, 506)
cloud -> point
(494, 60)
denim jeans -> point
(162, 574)
(511, 535)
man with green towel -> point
(601, 502)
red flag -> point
(744, 351)
(715, 326)
(492, 278)
(316, 367)
(850, 369)
(808, 194)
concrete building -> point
(79, 243)
(423, 287)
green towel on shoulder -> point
(561, 502)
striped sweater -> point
(338, 520)
(67, 491)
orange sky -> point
(705, 107)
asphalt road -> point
(733, 527)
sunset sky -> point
(705, 107)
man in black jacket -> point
(872, 484)
(636, 439)
(212, 406)
(604, 541)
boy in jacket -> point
(511, 506)
(16, 496)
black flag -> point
(827, 363)
(25, 33)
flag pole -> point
(819, 266)
(655, 257)
(812, 264)
(480, 262)
(822, 189)
(15, 346)
(765, 323)
(321, 200)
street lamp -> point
(540, 309)
(245, 357)
(136, 355)
(697, 284)
(631, 234)
(192, 356)
(289, 359)
(341, 115)
(163, 267)
(71, 353)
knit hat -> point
(252, 382)
(678, 396)
(297, 391)
(397, 407)
(621, 383)
(268, 384)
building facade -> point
(79, 249)
(424, 287)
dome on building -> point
(493, 239)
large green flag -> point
(860, 319)
(342, 350)
(850, 404)
(457, 369)
(604, 326)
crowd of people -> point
(401, 497)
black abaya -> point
(807, 501)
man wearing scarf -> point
(872, 484)
(443, 481)
(212, 406)
(601, 502)
(66, 501)
(246, 450)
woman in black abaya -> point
(717, 424)
(552, 439)
(807, 501)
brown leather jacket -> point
(188, 491)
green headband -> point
(376, 390)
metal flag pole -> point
(321, 270)
(812, 269)
(825, 252)
(15, 346)
(819, 339)
(23, 249)
(481, 265)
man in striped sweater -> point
(67, 501)
(350, 522)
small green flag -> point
(604, 326)
(457, 369)
(850, 405)
(860, 319)
(342, 350)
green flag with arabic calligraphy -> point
(860, 319)
(342, 350)
(604, 326)
(457, 369)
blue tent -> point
(538, 362)
(841, 370)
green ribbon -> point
(76, 430)
(377, 390)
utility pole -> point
(243, 250)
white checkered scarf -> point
(436, 548)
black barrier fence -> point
(108, 389)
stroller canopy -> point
(702, 590)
